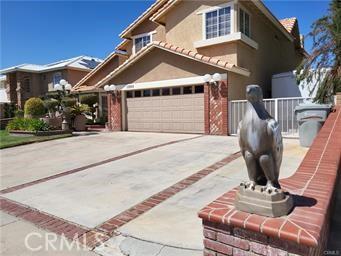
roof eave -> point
(260, 5)
(232, 68)
(141, 18)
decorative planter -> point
(38, 133)
(79, 123)
(54, 122)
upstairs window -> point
(244, 22)
(140, 42)
(57, 77)
(218, 22)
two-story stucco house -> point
(30, 80)
(181, 61)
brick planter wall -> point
(305, 230)
(114, 113)
(216, 109)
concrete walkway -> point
(173, 228)
(20, 238)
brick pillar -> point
(114, 113)
(215, 105)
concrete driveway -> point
(89, 180)
(35, 161)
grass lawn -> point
(7, 140)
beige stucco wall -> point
(104, 70)
(162, 65)
(149, 26)
(275, 53)
(184, 25)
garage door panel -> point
(177, 113)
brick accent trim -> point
(215, 107)
(93, 237)
(114, 112)
(305, 229)
(28, 184)
(138, 209)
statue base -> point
(274, 204)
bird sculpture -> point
(261, 143)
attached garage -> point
(178, 109)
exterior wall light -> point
(107, 88)
(212, 79)
(207, 78)
(216, 77)
(112, 87)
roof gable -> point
(150, 11)
(175, 50)
(161, 12)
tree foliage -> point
(324, 63)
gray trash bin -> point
(310, 119)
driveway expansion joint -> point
(83, 168)
(103, 232)
(135, 211)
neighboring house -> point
(30, 80)
(159, 68)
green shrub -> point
(34, 107)
(9, 110)
(19, 113)
(38, 125)
(79, 109)
(88, 99)
(51, 106)
(27, 124)
(68, 102)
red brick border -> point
(79, 169)
(111, 225)
(93, 237)
(305, 229)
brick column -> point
(215, 105)
(114, 113)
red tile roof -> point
(288, 23)
(177, 50)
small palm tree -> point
(324, 63)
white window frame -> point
(250, 19)
(142, 35)
(216, 8)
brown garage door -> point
(182, 113)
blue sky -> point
(40, 32)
